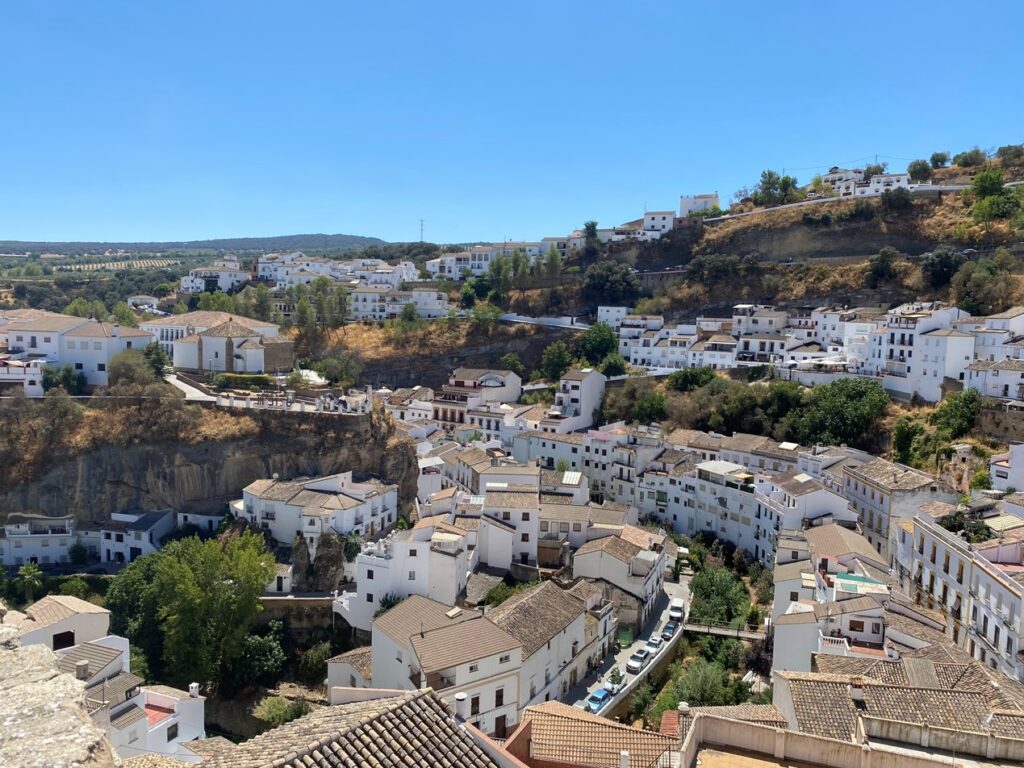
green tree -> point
(939, 159)
(156, 358)
(614, 364)
(555, 360)
(982, 480)
(484, 318)
(313, 663)
(552, 263)
(957, 413)
(881, 267)
(707, 684)
(897, 199)
(130, 368)
(874, 169)
(610, 282)
(205, 302)
(981, 288)
(261, 660)
(1011, 153)
(920, 170)
(29, 580)
(597, 342)
(123, 314)
(77, 554)
(305, 319)
(650, 408)
(261, 306)
(641, 701)
(939, 266)
(409, 315)
(988, 182)
(73, 382)
(689, 379)
(512, 362)
(75, 587)
(276, 711)
(717, 596)
(845, 411)
(972, 158)
(180, 308)
(341, 369)
(79, 307)
(467, 296)
(905, 431)
(161, 289)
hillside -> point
(310, 242)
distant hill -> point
(279, 243)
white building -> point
(36, 539)
(223, 275)
(234, 347)
(89, 347)
(695, 203)
(577, 399)
(657, 223)
(312, 507)
(127, 536)
(169, 329)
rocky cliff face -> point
(161, 475)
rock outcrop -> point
(169, 475)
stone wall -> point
(1000, 424)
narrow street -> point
(578, 694)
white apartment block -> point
(657, 223)
(127, 536)
(882, 492)
(168, 330)
(433, 559)
(577, 399)
(979, 587)
(223, 275)
(37, 539)
(1007, 469)
(695, 203)
(311, 507)
(470, 388)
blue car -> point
(598, 699)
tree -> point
(988, 183)
(305, 319)
(191, 605)
(353, 546)
(275, 711)
(484, 318)
(387, 602)
(717, 596)
(688, 379)
(467, 296)
(552, 263)
(156, 358)
(591, 240)
(73, 382)
(845, 411)
(341, 369)
(981, 288)
(313, 663)
(920, 170)
(512, 362)
(77, 554)
(881, 267)
(29, 580)
(939, 159)
(650, 408)
(774, 188)
(614, 364)
(180, 308)
(982, 480)
(409, 315)
(939, 266)
(874, 169)
(205, 303)
(707, 684)
(555, 360)
(75, 587)
(261, 661)
(597, 342)
(610, 282)
(1011, 153)
(123, 314)
(904, 432)
(641, 700)
(79, 307)
(897, 199)
(129, 368)
(970, 159)
(957, 413)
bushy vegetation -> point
(275, 711)
(610, 282)
(242, 381)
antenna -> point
(421, 230)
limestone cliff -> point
(167, 475)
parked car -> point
(677, 609)
(597, 700)
(638, 661)
(654, 644)
(613, 687)
(670, 628)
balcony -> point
(844, 646)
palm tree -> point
(29, 580)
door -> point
(280, 584)
(499, 727)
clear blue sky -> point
(127, 121)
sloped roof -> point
(560, 734)
(98, 657)
(461, 643)
(360, 658)
(414, 614)
(535, 615)
(54, 608)
(414, 729)
(615, 546)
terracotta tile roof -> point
(960, 710)
(229, 329)
(615, 546)
(54, 608)
(98, 657)
(414, 614)
(154, 760)
(215, 745)
(764, 714)
(536, 615)
(833, 541)
(936, 509)
(563, 734)
(892, 476)
(642, 538)
(130, 716)
(360, 658)
(461, 643)
(106, 331)
(823, 706)
(207, 319)
(414, 729)
(114, 690)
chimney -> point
(116, 331)
(461, 705)
(891, 652)
(683, 708)
(623, 759)
(82, 669)
(193, 690)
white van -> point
(677, 610)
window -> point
(499, 697)
(172, 732)
(506, 515)
(474, 667)
(504, 659)
(544, 525)
(101, 366)
(474, 705)
(793, 597)
(312, 522)
(577, 527)
(78, 366)
(526, 517)
(412, 553)
(369, 597)
(412, 575)
(524, 537)
(856, 626)
(369, 574)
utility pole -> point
(421, 230)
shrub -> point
(242, 381)
(276, 711)
(919, 170)
(970, 159)
(689, 379)
(313, 663)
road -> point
(551, 322)
(578, 694)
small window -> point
(793, 597)
(101, 366)
(474, 667)
(412, 553)
(369, 597)
(526, 517)
(504, 659)
(412, 575)
(172, 732)
(524, 537)
(369, 574)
